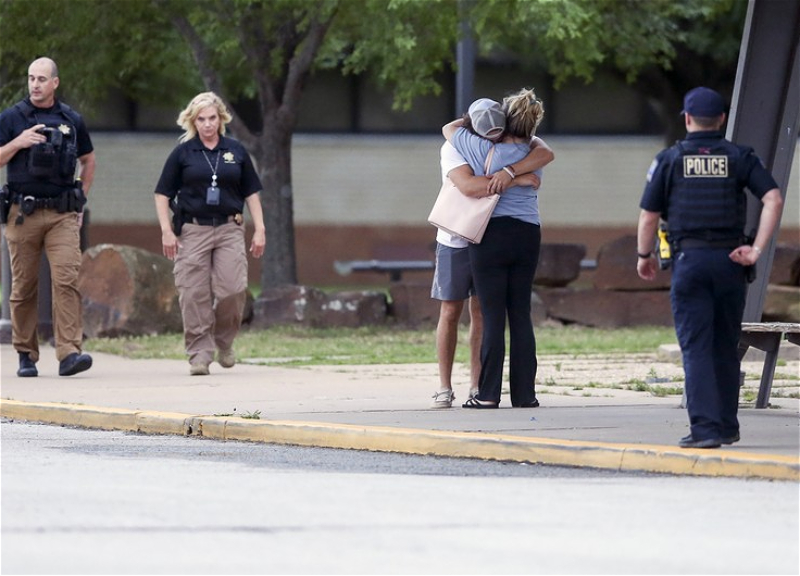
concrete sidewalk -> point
(385, 408)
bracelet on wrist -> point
(646, 255)
(757, 249)
(510, 171)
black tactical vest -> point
(54, 161)
(705, 198)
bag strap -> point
(488, 162)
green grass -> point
(295, 345)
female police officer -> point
(206, 181)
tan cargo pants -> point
(59, 236)
(211, 278)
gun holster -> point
(5, 204)
(76, 199)
(177, 221)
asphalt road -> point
(91, 502)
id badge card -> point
(212, 196)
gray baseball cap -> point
(487, 117)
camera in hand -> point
(43, 159)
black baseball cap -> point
(703, 102)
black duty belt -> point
(698, 243)
(212, 220)
(38, 203)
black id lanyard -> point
(212, 192)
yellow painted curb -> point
(623, 457)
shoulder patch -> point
(652, 169)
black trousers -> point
(503, 266)
(708, 298)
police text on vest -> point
(705, 166)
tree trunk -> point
(278, 266)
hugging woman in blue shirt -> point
(504, 263)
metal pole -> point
(465, 60)
(765, 110)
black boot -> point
(74, 363)
(27, 367)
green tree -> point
(259, 54)
(662, 48)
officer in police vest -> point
(42, 143)
(698, 188)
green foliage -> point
(253, 46)
(99, 46)
(579, 37)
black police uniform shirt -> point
(746, 170)
(187, 175)
(13, 122)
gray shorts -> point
(452, 278)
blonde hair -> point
(524, 112)
(187, 117)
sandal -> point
(475, 403)
(443, 399)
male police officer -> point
(697, 187)
(41, 142)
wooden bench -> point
(767, 336)
(394, 268)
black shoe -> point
(27, 367)
(475, 403)
(74, 363)
(690, 442)
(730, 439)
(532, 404)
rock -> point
(608, 308)
(127, 291)
(786, 265)
(559, 264)
(355, 308)
(412, 304)
(616, 268)
(781, 304)
(312, 307)
(538, 310)
(289, 304)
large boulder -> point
(616, 268)
(782, 304)
(127, 291)
(412, 304)
(559, 264)
(354, 308)
(786, 265)
(538, 310)
(307, 306)
(288, 304)
(608, 308)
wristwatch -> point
(645, 256)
